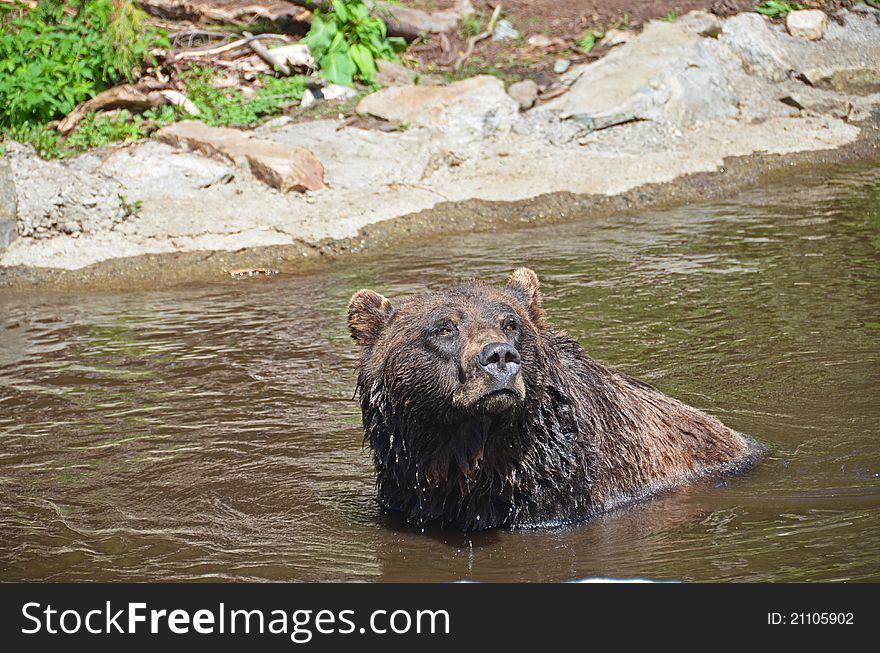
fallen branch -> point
(220, 49)
(264, 54)
(150, 95)
(472, 41)
(119, 97)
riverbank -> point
(686, 110)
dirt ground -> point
(565, 22)
(569, 18)
(565, 19)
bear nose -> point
(499, 359)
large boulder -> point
(478, 105)
(156, 170)
(754, 40)
(63, 197)
(284, 167)
(667, 73)
(846, 59)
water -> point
(210, 433)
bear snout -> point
(490, 378)
(501, 362)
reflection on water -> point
(210, 432)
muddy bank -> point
(472, 216)
(683, 111)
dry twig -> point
(264, 54)
(472, 41)
(126, 96)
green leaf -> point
(338, 68)
(589, 40)
(359, 12)
(319, 36)
(774, 8)
(364, 61)
(338, 44)
(340, 11)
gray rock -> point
(846, 59)
(478, 105)
(862, 8)
(561, 65)
(154, 169)
(666, 74)
(504, 31)
(330, 93)
(752, 39)
(808, 24)
(817, 102)
(525, 93)
(389, 73)
(616, 37)
(701, 22)
(53, 195)
(283, 167)
(857, 80)
(8, 206)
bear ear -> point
(523, 284)
(368, 312)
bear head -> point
(455, 355)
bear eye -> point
(445, 329)
(509, 326)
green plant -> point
(97, 130)
(230, 107)
(589, 40)
(131, 208)
(43, 139)
(774, 8)
(347, 41)
(471, 25)
(217, 107)
(51, 59)
(671, 17)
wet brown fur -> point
(573, 439)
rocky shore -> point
(679, 99)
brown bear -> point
(480, 414)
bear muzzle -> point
(501, 362)
(498, 385)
